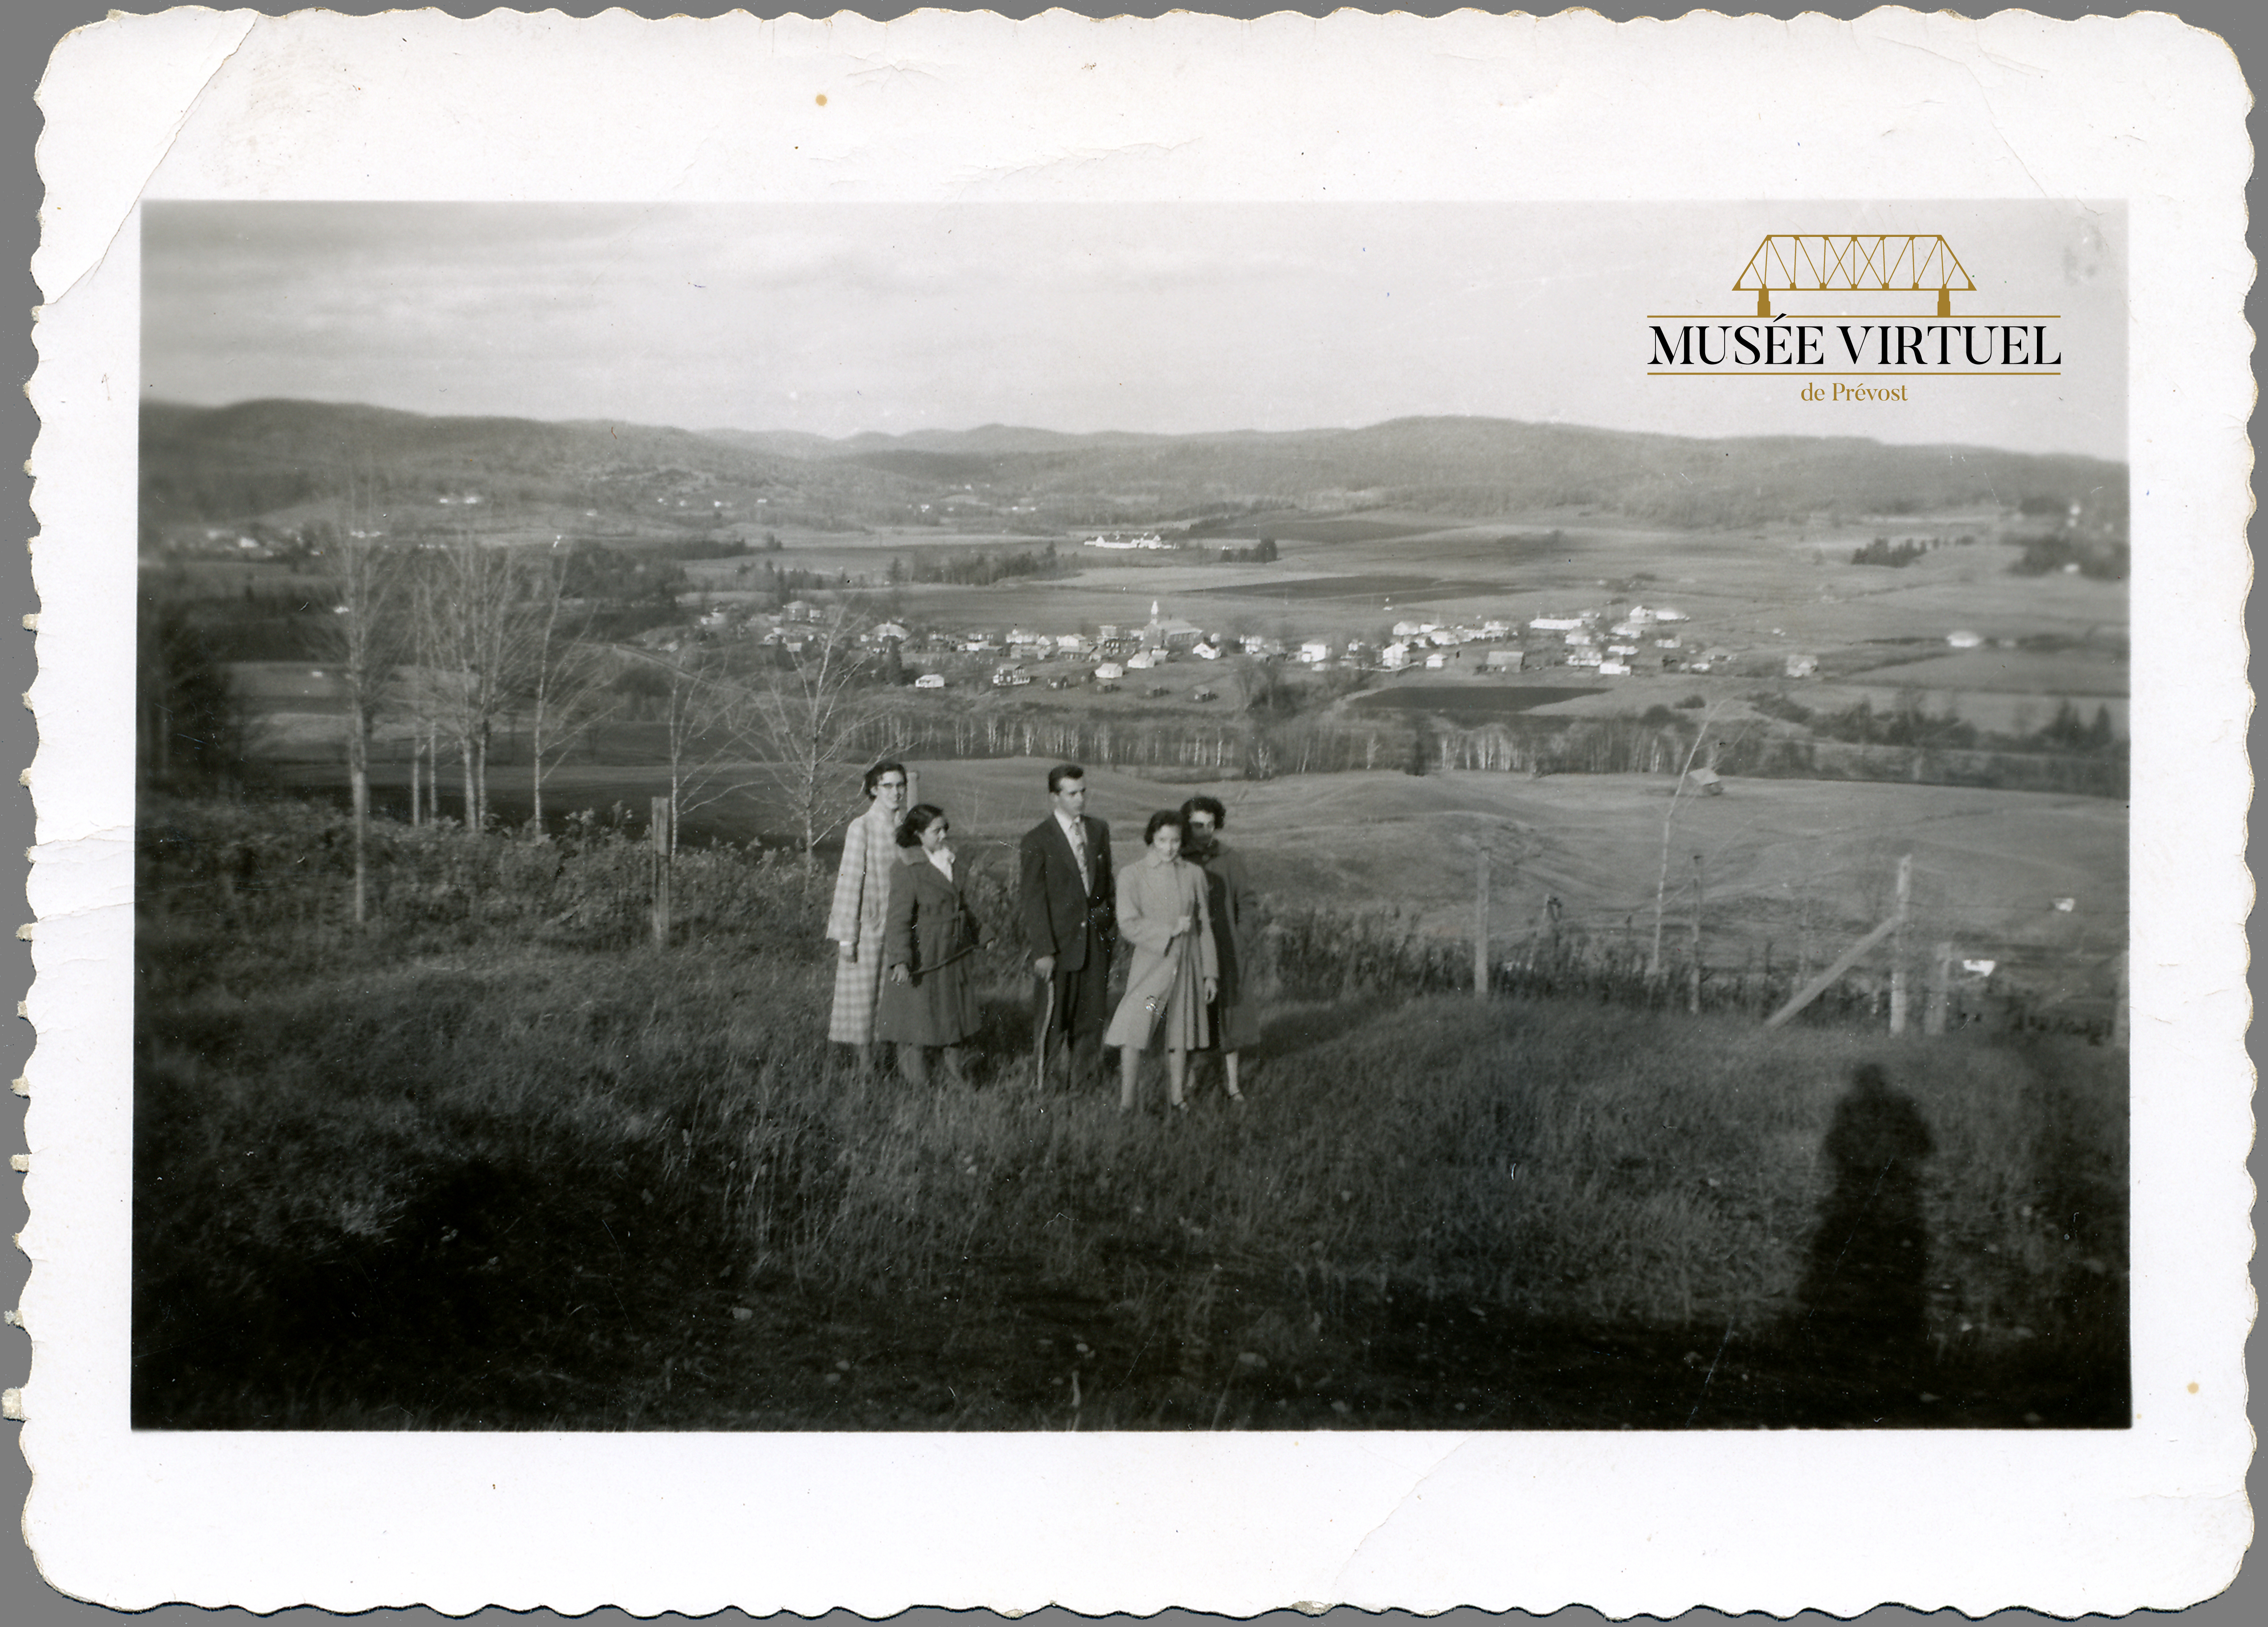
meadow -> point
(489, 1162)
(1792, 868)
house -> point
(1495, 630)
(1109, 672)
(1413, 630)
(1141, 662)
(886, 630)
(1664, 614)
(1443, 639)
(1116, 645)
(929, 680)
(1554, 624)
(1072, 644)
(1501, 661)
(1395, 657)
(1614, 669)
(1316, 651)
(1436, 661)
(1206, 651)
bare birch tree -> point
(569, 678)
(1677, 796)
(797, 726)
(363, 643)
(478, 637)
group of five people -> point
(905, 939)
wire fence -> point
(595, 883)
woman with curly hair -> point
(1162, 912)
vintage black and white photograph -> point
(1046, 817)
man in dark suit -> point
(1068, 900)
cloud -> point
(1165, 317)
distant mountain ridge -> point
(1481, 468)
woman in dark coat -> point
(929, 997)
(1236, 933)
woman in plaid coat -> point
(862, 903)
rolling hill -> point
(238, 461)
(1485, 467)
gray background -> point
(28, 30)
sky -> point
(1165, 318)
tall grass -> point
(457, 1171)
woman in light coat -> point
(1163, 913)
(929, 998)
(862, 905)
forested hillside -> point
(256, 457)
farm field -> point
(1477, 702)
(1779, 857)
(2016, 671)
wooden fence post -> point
(1940, 991)
(1481, 927)
(1849, 957)
(662, 838)
(1898, 946)
(1693, 1003)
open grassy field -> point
(471, 1168)
(1780, 857)
(1799, 865)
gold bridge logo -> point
(1856, 334)
(1853, 263)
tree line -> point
(447, 644)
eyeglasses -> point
(1200, 824)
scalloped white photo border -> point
(198, 104)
